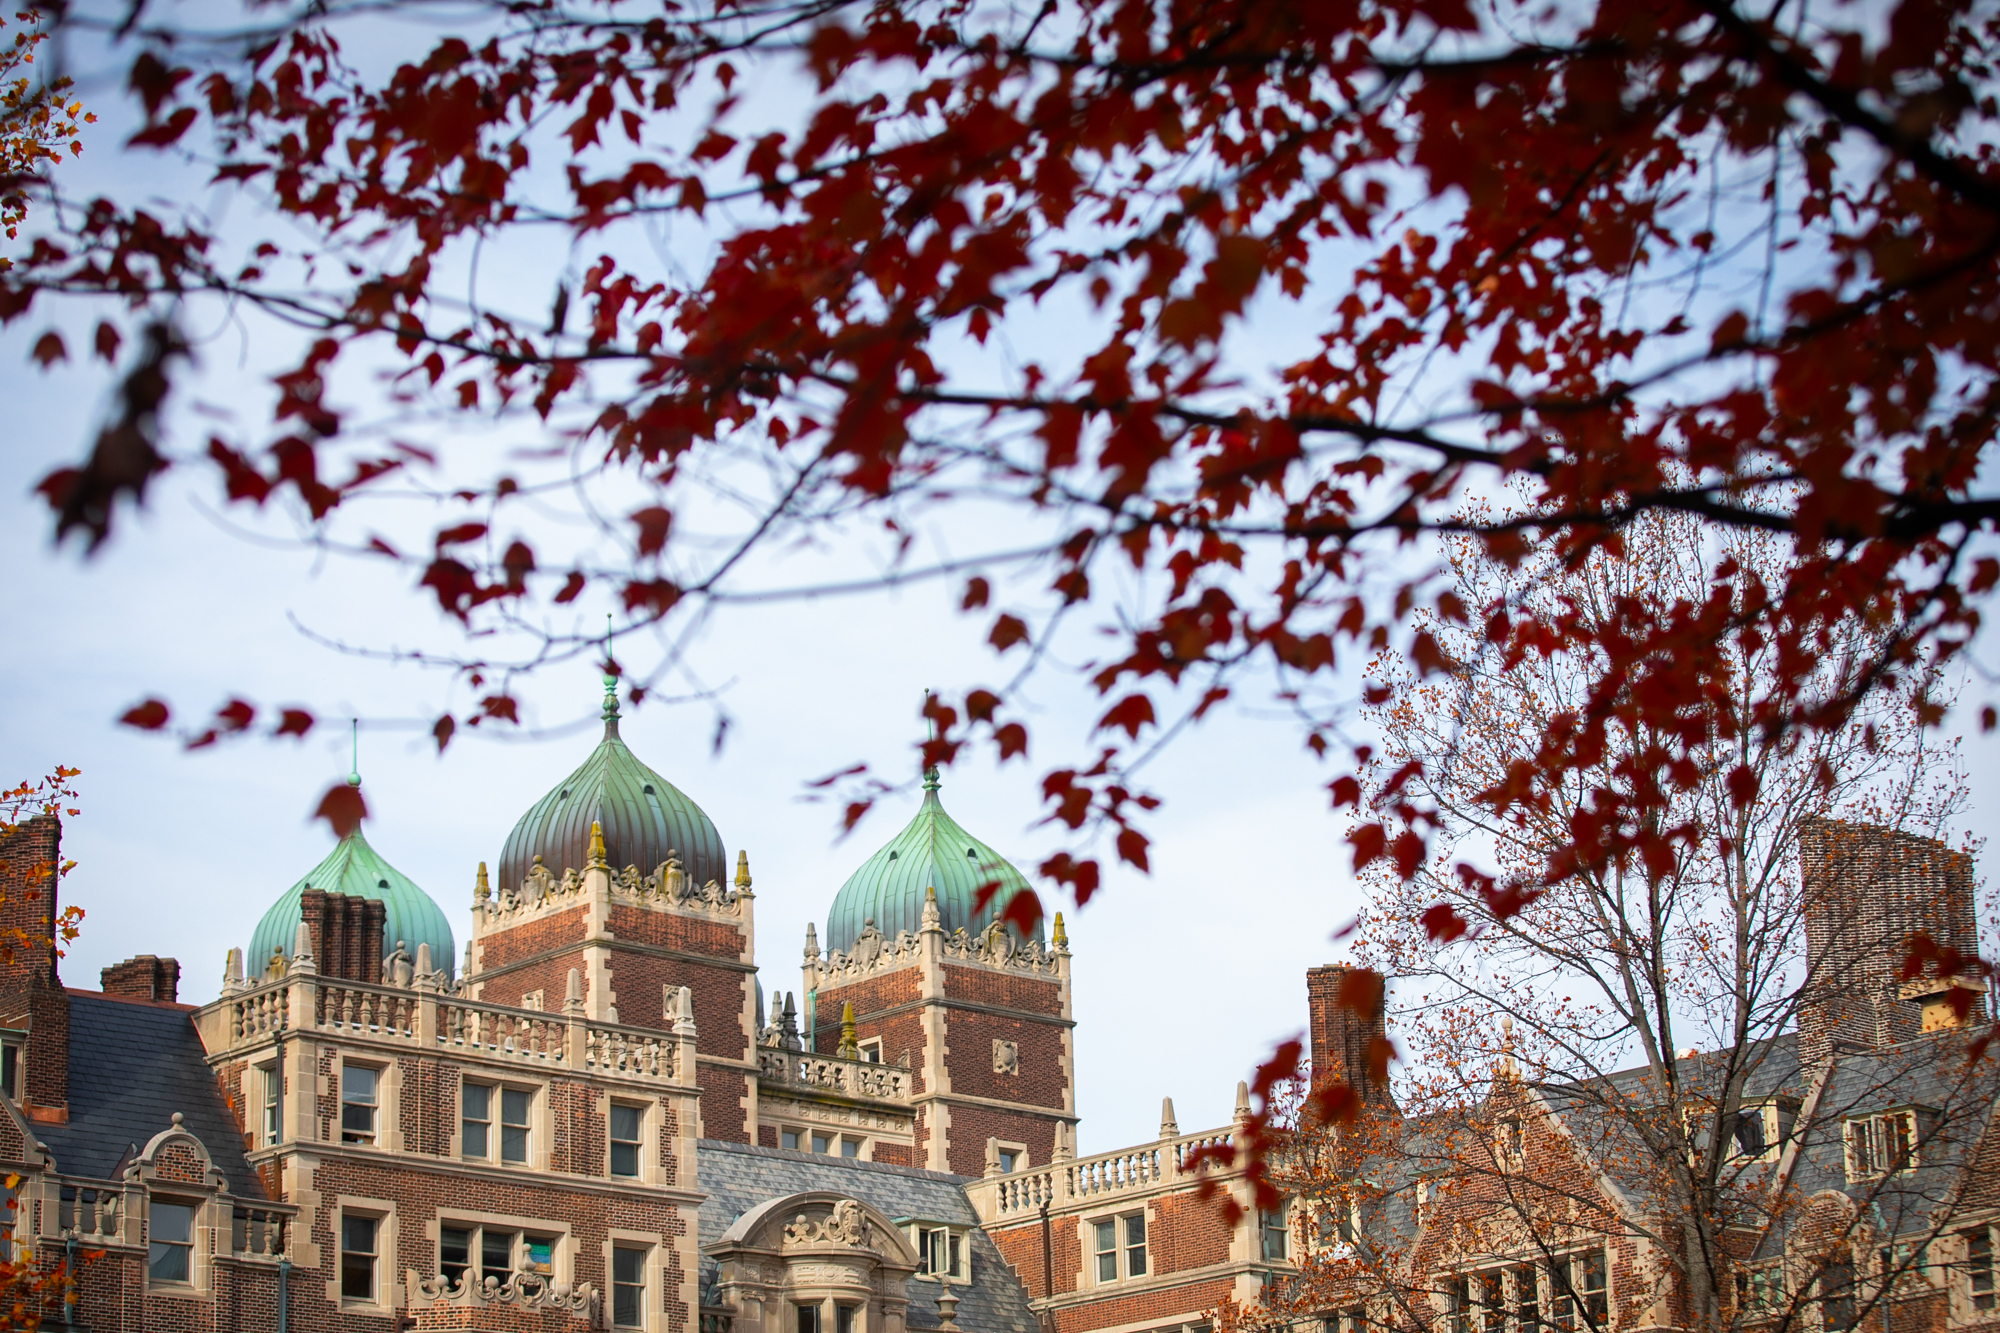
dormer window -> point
(1885, 1143)
(940, 1252)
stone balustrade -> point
(852, 1078)
(423, 1018)
(259, 1231)
(1084, 1181)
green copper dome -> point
(358, 870)
(932, 851)
(643, 815)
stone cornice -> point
(458, 1168)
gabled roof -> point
(132, 1064)
(738, 1178)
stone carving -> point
(845, 1225)
(669, 885)
(529, 1290)
(1006, 1057)
(397, 969)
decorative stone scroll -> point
(875, 952)
(527, 1290)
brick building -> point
(594, 1116)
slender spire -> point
(354, 752)
(597, 857)
(930, 770)
(610, 684)
(849, 1048)
(1060, 937)
(742, 871)
(481, 890)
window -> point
(1492, 1302)
(1009, 1159)
(940, 1253)
(514, 1124)
(871, 1053)
(273, 1079)
(10, 1070)
(454, 1253)
(358, 1087)
(822, 1142)
(789, 1138)
(850, 1147)
(1979, 1270)
(1274, 1227)
(1108, 1248)
(1836, 1297)
(1760, 1291)
(1881, 1144)
(843, 1318)
(628, 1288)
(1458, 1305)
(357, 1256)
(1578, 1281)
(625, 1131)
(475, 1121)
(496, 1253)
(1526, 1283)
(808, 1318)
(170, 1241)
(1749, 1134)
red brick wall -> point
(895, 1154)
(870, 996)
(31, 994)
(971, 1126)
(142, 978)
(427, 1113)
(1041, 1079)
(1004, 990)
(419, 1199)
(671, 930)
(638, 980)
(548, 974)
(514, 943)
(722, 1113)
(1021, 1247)
(1184, 1232)
(1158, 1303)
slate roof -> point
(131, 1066)
(738, 1177)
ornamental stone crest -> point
(845, 1225)
(1006, 1057)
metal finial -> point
(610, 678)
(354, 752)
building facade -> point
(594, 1117)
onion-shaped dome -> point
(358, 870)
(644, 817)
(932, 851)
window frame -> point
(271, 1105)
(1275, 1222)
(927, 1237)
(1980, 1269)
(870, 1051)
(615, 1285)
(1869, 1150)
(498, 1128)
(1130, 1239)
(373, 1254)
(185, 1247)
(521, 1236)
(378, 1075)
(613, 1143)
(466, 1120)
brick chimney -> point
(31, 993)
(1865, 891)
(1341, 1032)
(142, 978)
(346, 934)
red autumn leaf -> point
(1007, 631)
(49, 349)
(342, 808)
(1442, 924)
(293, 722)
(148, 716)
(653, 523)
(442, 729)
